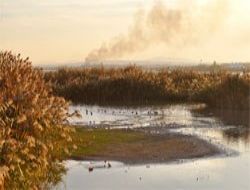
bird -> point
(109, 165)
(91, 168)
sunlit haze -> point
(68, 31)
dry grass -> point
(133, 85)
(30, 126)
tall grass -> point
(31, 129)
(233, 92)
(133, 85)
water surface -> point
(229, 172)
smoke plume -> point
(181, 26)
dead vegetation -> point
(133, 85)
(31, 127)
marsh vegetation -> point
(135, 86)
(31, 127)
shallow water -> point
(172, 115)
(222, 172)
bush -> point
(31, 127)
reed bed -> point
(133, 85)
(31, 127)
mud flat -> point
(138, 147)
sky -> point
(66, 31)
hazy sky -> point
(61, 31)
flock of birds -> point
(114, 113)
(132, 118)
(107, 164)
(150, 113)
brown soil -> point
(154, 149)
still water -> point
(229, 172)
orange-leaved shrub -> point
(31, 127)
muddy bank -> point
(137, 147)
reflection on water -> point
(229, 173)
(198, 174)
(229, 117)
(236, 135)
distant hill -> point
(155, 64)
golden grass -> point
(30, 126)
(133, 85)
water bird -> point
(91, 168)
(155, 113)
(109, 165)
